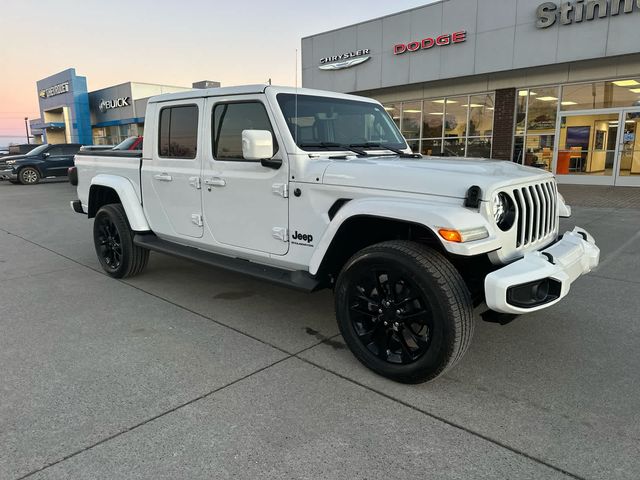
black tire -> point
(113, 240)
(415, 331)
(29, 176)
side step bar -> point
(298, 280)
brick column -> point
(504, 123)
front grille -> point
(537, 208)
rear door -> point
(171, 176)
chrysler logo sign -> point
(345, 60)
(105, 105)
(55, 90)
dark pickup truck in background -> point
(43, 161)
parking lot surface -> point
(191, 372)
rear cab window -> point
(178, 132)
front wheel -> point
(404, 311)
(113, 240)
(29, 176)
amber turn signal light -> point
(450, 235)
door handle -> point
(215, 182)
(163, 177)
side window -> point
(178, 132)
(56, 151)
(229, 120)
(71, 149)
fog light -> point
(534, 294)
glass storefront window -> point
(538, 151)
(591, 96)
(479, 147)
(454, 147)
(456, 111)
(587, 144)
(432, 147)
(447, 126)
(521, 111)
(481, 109)
(433, 118)
(543, 110)
(630, 148)
(411, 119)
(414, 145)
(393, 110)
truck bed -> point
(121, 163)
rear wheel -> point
(29, 176)
(404, 311)
(113, 240)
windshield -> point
(38, 150)
(326, 123)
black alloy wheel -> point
(109, 242)
(113, 241)
(390, 315)
(404, 310)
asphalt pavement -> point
(192, 372)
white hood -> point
(449, 177)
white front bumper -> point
(575, 255)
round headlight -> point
(503, 209)
(499, 207)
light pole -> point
(26, 128)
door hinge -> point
(196, 218)
(280, 233)
(195, 182)
(281, 189)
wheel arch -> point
(35, 166)
(363, 230)
(106, 189)
(364, 222)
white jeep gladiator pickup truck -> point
(311, 190)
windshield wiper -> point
(329, 145)
(397, 151)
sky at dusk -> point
(159, 41)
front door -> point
(59, 160)
(245, 204)
(628, 156)
(171, 177)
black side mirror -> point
(46, 154)
(273, 163)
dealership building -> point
(72, 114)
(555, 85)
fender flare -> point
(128, 197)
(432, 215)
